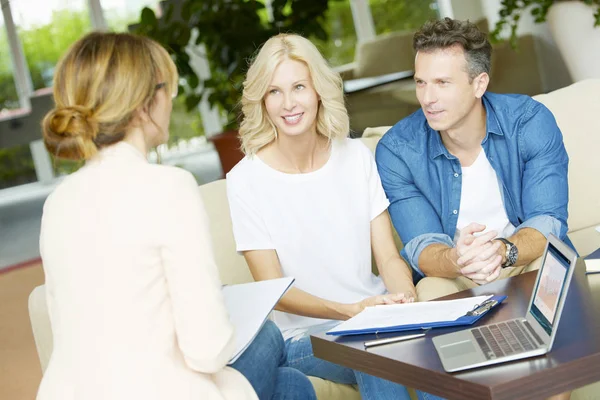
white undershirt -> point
(319, 223)
(481, 199)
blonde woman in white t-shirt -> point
(307, 202)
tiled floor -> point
(21, 207)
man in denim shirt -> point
(476, 180)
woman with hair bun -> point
(307, 202)
(133, 292)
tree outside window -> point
(388, 16)
(46, 29)
(402, 15)
(9, 99)
(120, 14)
(340, 47)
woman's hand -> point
(383, 299)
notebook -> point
(592, 262)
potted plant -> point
(574, 25)
(231, 31)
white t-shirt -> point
(318, 222)
(481, 199)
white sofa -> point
(577, 110)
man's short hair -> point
(447, 32)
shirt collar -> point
(122, 149)
(437, 148)
(492, 124)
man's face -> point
(443, 87)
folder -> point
(249, 306)
(476, 311)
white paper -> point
(249, 305)
(408, 314)
(598, 228)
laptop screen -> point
(550, 288)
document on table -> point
(396, 315)
(249, 306)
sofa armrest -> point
(40, 325)
(346, 71)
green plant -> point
(511, 11)
(231, 31)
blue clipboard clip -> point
(482, 308)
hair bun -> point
(73, 121)
(69, 132)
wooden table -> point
(573, 362)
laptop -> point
(530, 336)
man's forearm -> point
(530, 243)
(439, 260)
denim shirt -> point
(423, 180)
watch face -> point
(512, 256)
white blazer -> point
(133, 291)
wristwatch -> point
(512, 253)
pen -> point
(378, 342)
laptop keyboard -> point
(503, 339)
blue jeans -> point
(262, 365)
(300, 356)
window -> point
(16, 166)
(340, 47)
(120, 14)
(184, 124)
(388, 16)
(9, 98)
(46, 29)
(16, 163)
(401, 15)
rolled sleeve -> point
(412, 250)
(544, 224)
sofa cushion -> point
(395, 48)
(232, 266)
(575, 108)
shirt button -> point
(455, 175)
(455, 212)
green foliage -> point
(43, 45)
(339, 48)
(9, 98)
(511, 11)
(231, 31)
(16, 166)
(184, 124)
(388, 15)
(401, 15)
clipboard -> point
(468, 319)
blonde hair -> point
(98, 85)
(257, 129)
